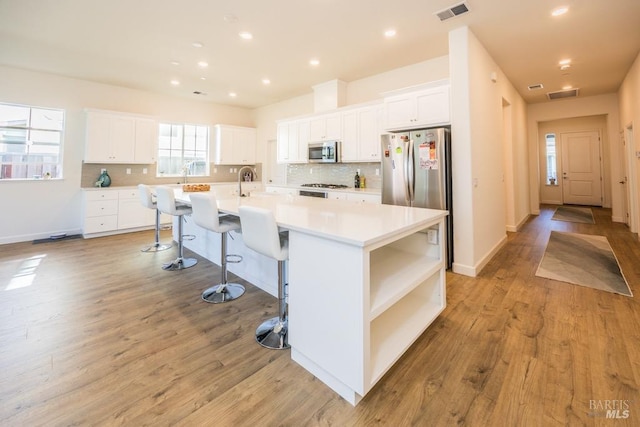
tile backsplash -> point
(120, 177)
(340, 173)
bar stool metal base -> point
(157, 247)
(179, 264)
(272, 334)
(223, 293)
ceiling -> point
(132, 43)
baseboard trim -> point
(473, 271)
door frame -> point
(632, 178)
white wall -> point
(41, 208)
(481, 161)
(571, 108)
(629, 105)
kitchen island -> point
(365, 281)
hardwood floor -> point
(94, 332)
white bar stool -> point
(146, 198)
(260, 233)
(167, 204)
(206, 215)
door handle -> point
(621, 182)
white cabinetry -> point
(146, 141)
(282, 190)
(390, 292)
(326, 127)
(354, 197)
(110, 211)
(100, 211)
(131, 213)
(411, 110)
(361, 134)
(293, 140)
(119, 138)
(234, 145)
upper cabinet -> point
(326, 127)
(293, 140)
(119, 138)
(422, 108)
(361, 134)
(234, 145)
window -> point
(183, 150)
(552, 172)
(30, 142)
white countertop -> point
(355, 223)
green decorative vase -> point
(104, 180)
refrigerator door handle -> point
(405, 168)
(411, 172)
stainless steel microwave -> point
(324, 152)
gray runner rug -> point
(585, 260)
(573, 214)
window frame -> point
(189, 166)
(48, 169)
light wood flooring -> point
(94, 332)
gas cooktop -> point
(325, 185)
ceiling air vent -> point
(536, 87)
(197, 92)
(571, 93)
(452, 11)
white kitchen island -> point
(365, 281)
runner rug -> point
(585, 260)
(573, 214)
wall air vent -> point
(571, 93)
(452, 11)
(536, 87)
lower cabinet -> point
(111, 211)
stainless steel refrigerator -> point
(416, 171)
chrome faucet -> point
(254, 175)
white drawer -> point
(101, 207)
(100, 224)
(101, 195)
(128, 194)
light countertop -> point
(354, 223)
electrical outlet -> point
(215, 170)
(310, 170)
(377, 171)
(103, 170)
(144, 171)
(128, 171)
(432, 237)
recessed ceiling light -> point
(314, 62)
(567, 87)
(197, 44)
(233, 94)
(203, 64)
(266, 81)
(175, 82)
(565, 61)
(203, 78)
(175, 63)
(245, 35)
(390, 33)
(560, 11)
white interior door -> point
(581, 169)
